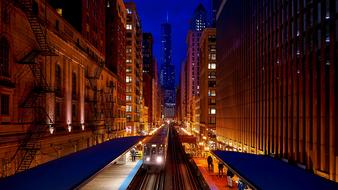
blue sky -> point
(153, 13)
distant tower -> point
(167, 71)
(199, 20)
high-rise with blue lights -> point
(167, 71)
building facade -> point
(56, 95)
(276, 82)
(87, 17)
(197, 25)
(208, 82)
(134, 81)
(116, 13)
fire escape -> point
(101, 104)
(35, 101)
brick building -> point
(116, 13)
(208, 81)
(56, 95)
(134, 81)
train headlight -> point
(147, 159)
(159, 159)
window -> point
(128, 98)
(212, 101)
(57, 111)
(58, 79)
(128, 89)
(4, 57)
(74, 85)
(129, 27)
(128, 79)
(128, 118)
(128, 61)
(212, 66)
(74, 112)
(212, 120)
(212, 75)
(212, 111)
(4, 104)
(211, 92)
(128, 70)
(128, 108)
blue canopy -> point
(70, 171)
(267, 173)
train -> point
(155, 150)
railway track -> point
(178, 174)
(182, 177)
(147, 181)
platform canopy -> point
(70, 171)
(266, 173)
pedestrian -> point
(133, 154)
(241, 185)
(230, 175)
(210, 165)
(220, 169)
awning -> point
(267, 173)
(70, 171)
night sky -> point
(153, 13)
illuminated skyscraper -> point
(167, 71)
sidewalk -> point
(214, 182)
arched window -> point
(74, 87)
(58, 79)
(4, 57)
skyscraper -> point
(277, 91)
(167, 71)
(134, 64)
(199, 19)
(197, 25)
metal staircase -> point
(36, 98)
(93, 102)
(40, 34)
(102, 103)
(107, 105)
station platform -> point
(115, 176)
(72, 171)
(214, 181)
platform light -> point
(153, 145)
(69, 128)
(159, 159)
(148, 159)
(82, 127)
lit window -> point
(128, 98)
(128, 70)
(211, 92)
(128, 108)
(129, 11)
(128, 79)
(212, 66)
(212, 111)
(129, 27)
(128, 61)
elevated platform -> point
(264, 172)
(70, 171)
